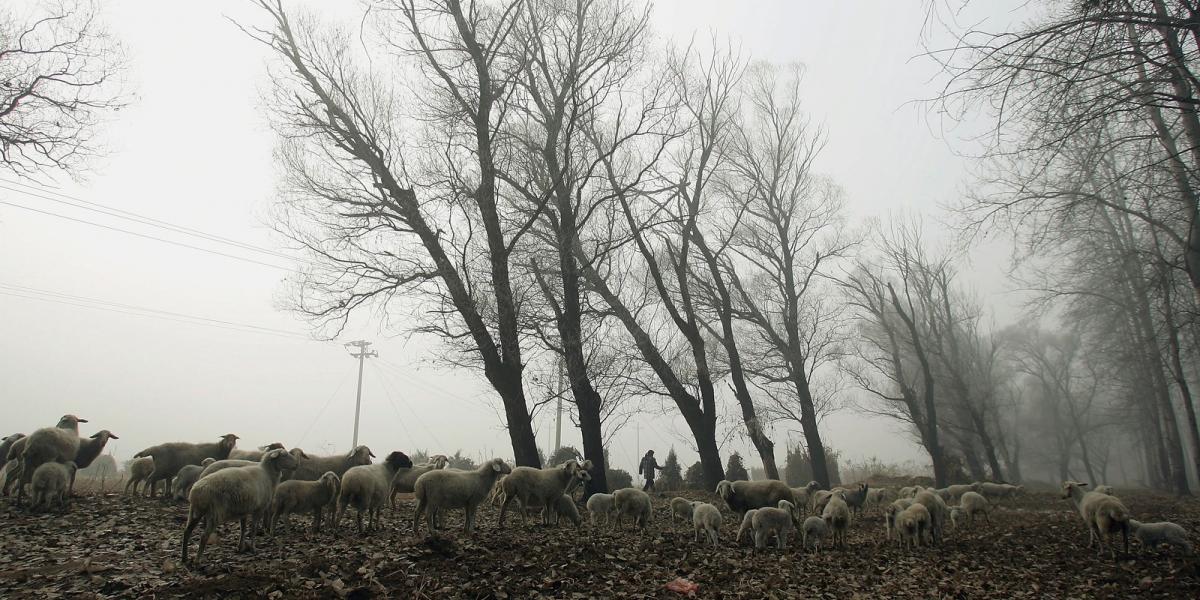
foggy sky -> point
(194, 148)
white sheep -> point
(681, 508)
(170, 458)
(449, 488)
(634, 503)
(12, 468)
(1152, 535)
(956, 491)
(50, 484)
(774, 521)
(407, 478)
(813, 530)
(706, 518)
(187, 477)
(1104, 489)
(747, 525)
(997, 491)
(601, 504)
(296, 496)
(540, 487)
(244, 494)
(837, 518)
(889, 516)
(90, 449)
(972, 504)
(939, 513)
(1101, 513)
(49, 444)
(311, 468)
(256, 454)
(741, 496)
(802, 496)
(366, 487)
(914, 525)
(140, 470)
(564, 506)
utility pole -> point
(362, 356)
(558, 421)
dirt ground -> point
(115, 546)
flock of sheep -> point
(258, 487)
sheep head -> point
(70, 422)
(499, 466)
(725, 490)
(227, 443)
(104, 435)
(271, 446)
(331, 479)
(396, 460)
(361, 455)
(208, 461)
(281, 458)
(439, 461)
(298, 453)
(1073, 489)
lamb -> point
(956, 491)
(891, 512)
(681, 508)
(857, 498)
(813, 530)
(6, 444)
(909, 491)
(254, 455)
(51, 482)
(311, 468)
(407, 478)
(187, 477)
(956, 514)
(744, 495)
(49, 444)
(244, 493)
(530, 486)
(773, 521)
(837, 518)
(365, 487)
(877, 496)
(1102, 514)
(634, 503)
(939, 513)
(170, 457)
(1152, 535)
(801, 496)
(1104, 489)
(973, 503)
(601, 504)
(446, 488)
(564, 505)
(747, 524)
(706, 518)
(913, 525)
(139, 470)
(13, 465)
(296, 496)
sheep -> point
(170, 457)
(773, 521)
(448, 488)
(681, 508)
(1101, 513)
(601, 504)
(913, 525)
(311, 468)
(296, 496)
(6, 444)
(813, 529)
(407, 478)
(943, 493)
(802, 495)
(244, 494)
(956, 514)
(187, 477)
(973, 503)
(528, 485)
(365, 487)
(1104, 489)
(956, 491)
(563, 505)
(220, 465)
(89, 449)
(49, 444)
(12, 468)
(50, 483)
(747, 524)
(632, 502)
(1152, 535)
(821, 497)
(876, 496)
(706, 518)
(939, 513)
(996, 491)
(891, 512)
(741, 496)
(909, 491)
(139, 470)
(837, 518)
(857, 498)
(254, 455)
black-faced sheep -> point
(365, 487)
(406, 479)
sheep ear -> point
(587, 465)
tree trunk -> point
(516, 412)
(812, 434)
(1177, 370)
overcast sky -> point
(194, 149)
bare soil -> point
(112, 546)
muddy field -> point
(114, 546)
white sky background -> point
(194, 148)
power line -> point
(387, 394)
(414, 413)
(323, 407)
(139, 311)
(146, 236)
(80, 203)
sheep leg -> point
(470, 518)
(358, 521)
(192, 521)
(417, 516)
(504, 508)
(781, 537)
(241, 547)
(760, 540)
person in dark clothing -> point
(647, 468)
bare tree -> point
(58, 72)
(390, 210)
